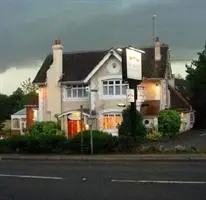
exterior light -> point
(121, 105)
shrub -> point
(126, 144)
(35, 144)
(124, 128)
(102, 142)
(44, 128)
(169, 122)
(153, 136)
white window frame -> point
(112, 96)
(76, 87)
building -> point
(64, 80)
(23, 119)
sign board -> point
(74, 116)
(140, 93)
(133, 64)
(130, 95)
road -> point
(32, 180)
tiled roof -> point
(77, 65)
(21, 112)
(177, 100)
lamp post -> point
(89, 91)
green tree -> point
(28, 87)
(169, 122)
(4, 107)
(124, 128)
(196, 77)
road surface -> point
(97, 180)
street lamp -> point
(90, 122)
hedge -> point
(103, 143)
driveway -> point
(192, 138)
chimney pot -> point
(157, 39)
(57, 42)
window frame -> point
(106, 84)
(76, 88)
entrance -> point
(75, 124)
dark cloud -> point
(29, 27)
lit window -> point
(114, 87)
(76, 91)
(112, 120)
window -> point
(112, 120)
(16, 123)
(76, 91)
(114, 87)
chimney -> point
(58, 57)
(157, 49)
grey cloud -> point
(29, 27)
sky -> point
(29, 27)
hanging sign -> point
(130, 95)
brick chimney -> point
(157, 49)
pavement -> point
(102, 180)
(108, 157)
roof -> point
(77, 65)
(20, 112)
(181, 85)
(177, 101)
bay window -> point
(112, 120)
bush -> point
(154, 136)
(102, 142)
(126, 144)
(44, 128)
(124, 128)
(35, 144)
(169, 122)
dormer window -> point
(76, 91)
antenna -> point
(154, 27)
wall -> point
(100, 102)
(69, 105)
(43, 115)
(54, 94)
(152, 89)
(187, 121)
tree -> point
(169, 122)
(4, 107)
(28, 87)
(124, 128)
(178, 76)
(196, 76)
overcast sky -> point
(29, 27)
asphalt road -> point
(90, 180)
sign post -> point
(132, 74)
(81, 122)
